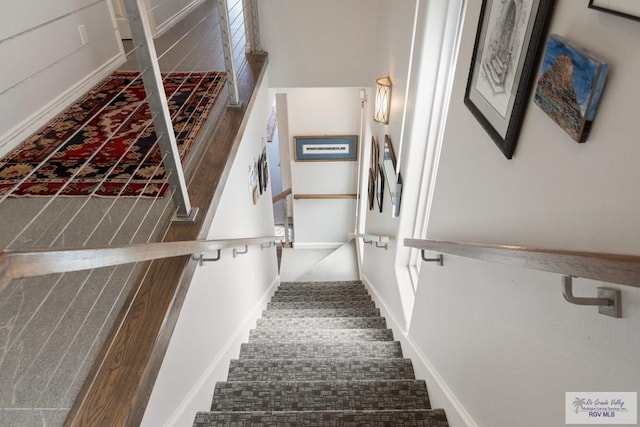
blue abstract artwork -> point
(570, 85)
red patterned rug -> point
(119, 140)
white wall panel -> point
(17, 17)
(44, 68)
(52, 43)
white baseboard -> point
(460, 417)
(17, 134)
(319, 245)
(228, 352)
(166, 25)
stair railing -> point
(38, 262)
(611, 268)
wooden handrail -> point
(38, 262)
(324, 196)
(613, 268)
(281, 195)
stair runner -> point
(321, 355)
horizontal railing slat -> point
(614, 268)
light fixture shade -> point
(383, 100)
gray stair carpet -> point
(321, 355)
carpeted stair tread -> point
(320, 297)
(360, 304)
(277, 335)
(320, 369)
(365, 349)
(325, 312)
(318, 290)
(321, 355)
(385, 418)
(323, 322)
(346, 283)
(403, 418)
(320, 395)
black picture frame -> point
(371, 190)
(380, 189)
(398, 195)
(503, 66)
(599, 5)
(375, 156)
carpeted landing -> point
(321, 355)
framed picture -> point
(389, 153)
(625, 8)
(375, 156)
(372, 189)
(508, 43)
(326, 148)
(396, 206)
(260, 165)
(265, 169)
(380, 188)
(569, 86)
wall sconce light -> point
(383, 100)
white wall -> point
(503, 340)
(395, 38)
(319, 44)
(225, 297)
(322, 111)
(499, 345)
(554, 192)
(44, 64)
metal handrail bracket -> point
(608, 301)
(382, 242)
(201, 259)
(237, 252)
(438, 260)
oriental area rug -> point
(105, 143)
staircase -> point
(321, 355)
